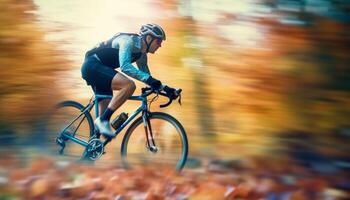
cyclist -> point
(121, 50)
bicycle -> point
(163, 140)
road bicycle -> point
(153, 138)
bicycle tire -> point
(179, 162)
(54, 126)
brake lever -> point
(179, 101)
(178, 92)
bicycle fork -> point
(150, 143)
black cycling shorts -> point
(97, 75)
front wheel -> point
(170, 143)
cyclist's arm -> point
(125, 51)
(142, 64)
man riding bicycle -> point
(121, 50)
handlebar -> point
(146, 91)
(177, 93)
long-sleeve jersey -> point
(120, 51)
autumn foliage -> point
(44, 178)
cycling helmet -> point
(153, 30)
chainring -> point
(95, 149)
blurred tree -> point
(202, 97)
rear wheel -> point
(170, 143)
(64, 118)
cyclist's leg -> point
(126, 88)
(100, 78)
(105, 79)
(102, 105)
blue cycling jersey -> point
(120, 51)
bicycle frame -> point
(142, 108)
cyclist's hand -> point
(171, 92)
(154, 83)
